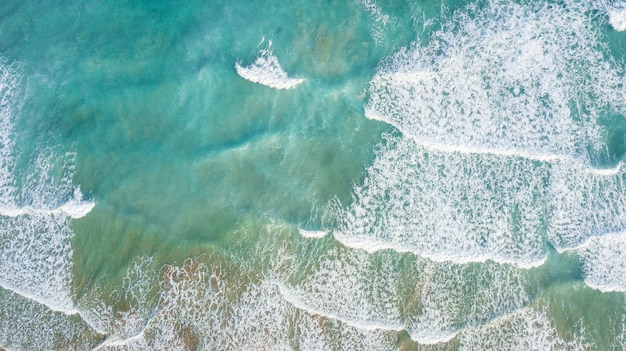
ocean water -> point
(313, 175)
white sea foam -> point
(74, 208)
(525, 330)
(27, 325)
(385, 292)
(316, 297)
(584, 204)
(617, 15)
(349, 286)
(312, 233)
(382, 21)
(261, 318)
(312, 327)
(199, 308)
(196, 308)
(602, 262)
(448, 206)
(492, 114)
(447, 306)
(620, 341)
(317, 333)
(267, 71)
(138, 289)
(36, 260)
(374, 11)
(297, 302)
(502, 77)
(77, 207)
(477, 207)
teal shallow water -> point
(420, 201)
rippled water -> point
(361, 175)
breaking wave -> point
(267, 71)
(498, 116)
(449, 206)
(523, 79)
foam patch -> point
(602, 261)
(267, 71)
(457, 297)
(388, 292)
(527, 329)
(199, 308)
(36, 260)
(449, 206)
(28, 325)
(585, 203)
(505, 78)
(617, 16)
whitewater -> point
(369, 176)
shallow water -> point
(312, 175)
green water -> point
(194, 169)
(175, 147)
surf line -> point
(35, 299)
(373, 326)
(74, 210)
(535, 156)
(371, 246)
(299, 304)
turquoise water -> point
(357, 175)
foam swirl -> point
(267, 71)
